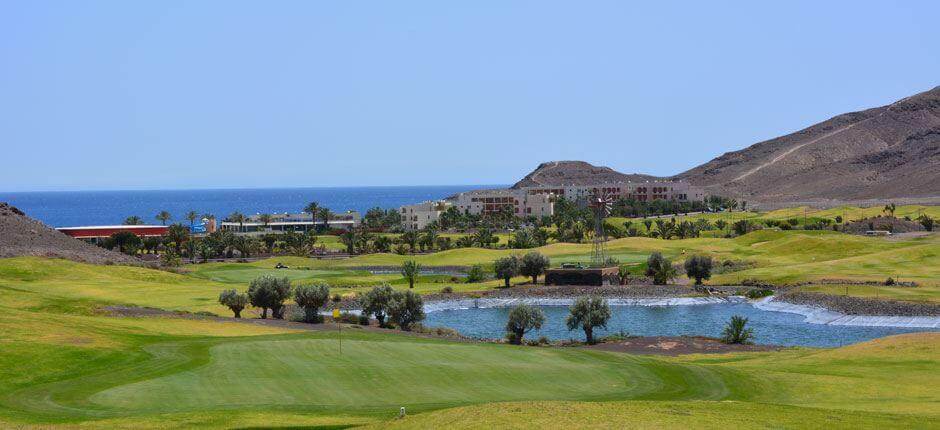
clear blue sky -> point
(202, 94)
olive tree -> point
(533, 264)
(522, 319)
(311, 299)
(660, 269)
(506, 267)
(405, 309)
(698, 267)
(234, 301)
(376, 302)
(588, 313)
(269, 292)
(410, 270)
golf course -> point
(67, 359)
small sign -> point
(335, 313)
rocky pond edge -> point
(814, 312)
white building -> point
(291, 222)
(418, 216)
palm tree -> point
(133, 220)
(325, 215)
(163, 217)
(265, 219)
(313, 208)
(239, 218)
(192, 216)
(890, 208)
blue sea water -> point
(770, 328)
(77, 208)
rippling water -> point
(62, 209)
(771, 328)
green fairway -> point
(64, 363)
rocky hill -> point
(888, 152)
(558, 173)
(21, 235)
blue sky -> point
(157, 95)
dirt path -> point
(677, 345)
(797, 147)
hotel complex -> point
(291, 222)
(538, 201)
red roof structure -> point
(100, 231)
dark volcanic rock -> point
(559, 173)
(21, 235)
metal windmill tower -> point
(600, 206)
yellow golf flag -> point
(335, 313)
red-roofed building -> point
(94, 233)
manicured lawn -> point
(64, 363)
(920, 293)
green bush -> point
(736, 332)
(660, 269)
(234, 301)
(406, 309)
(522, 319)
(311, 298)
(757, 293)
(588, 313)
(475, 274)
(376, 302)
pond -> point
(770, 328)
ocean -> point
(80, 208)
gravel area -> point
(860, 306)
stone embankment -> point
(860, 306)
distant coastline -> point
(74, 208)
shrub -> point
(533, 264)
(506, 267)
(698, 267)
(447, 290)
(311, 298)
(660, 269)
(234, 301)
(736, 333)
(170, 258)
(363, 319)
(405, 309)
(889, 282)
(588, 313)
(410, 270)
(376, 302)
(476, 274)
(337, 298)
(757, 293)
(348, 318)
(522, 319)
(268, 292)
(926, 221)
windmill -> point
(600, 205)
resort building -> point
(418, 216)
(539, 201)
(680, 191)
(516, 202)
(300, 223)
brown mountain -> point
(558, 173)
(21, 235)
(887, 152)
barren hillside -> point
(887, 152)
(21, 235)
